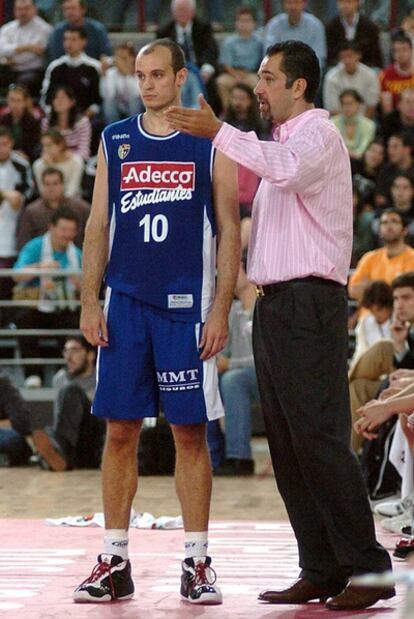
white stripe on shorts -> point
(214, 405)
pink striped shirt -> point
(302, 212)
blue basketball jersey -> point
(162, 228)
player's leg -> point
(125, 394)
(193, 480)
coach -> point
(299, 259)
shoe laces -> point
(101, 569)
(204, 575)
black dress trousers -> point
(300, 342)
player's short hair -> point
(177, 54)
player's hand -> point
(202, 123)
(93, 324)
(214, 335)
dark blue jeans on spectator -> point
(14, 446)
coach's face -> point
(158, 85)
(276, 101)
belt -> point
(267, 289)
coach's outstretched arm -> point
(226, 208)
(95, 258)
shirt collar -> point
(283, 132)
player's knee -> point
(122, 433)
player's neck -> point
(155, 122)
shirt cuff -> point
(225, 136)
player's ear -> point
(181, 76)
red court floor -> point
(40, 565)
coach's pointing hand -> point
(202, 123)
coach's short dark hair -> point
(177, 54)
(406, 280)
(299, 61)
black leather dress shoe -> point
(356, 598)
(300, 592)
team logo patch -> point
(157, 175)
(123, 150)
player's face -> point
(275, 100)
(158, 85)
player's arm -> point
(226, 207)
(95, 257)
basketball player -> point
(162, 202)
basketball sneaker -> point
(198, 582)
(109, 580)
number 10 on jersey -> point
(155, 228)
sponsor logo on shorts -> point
(180, 300)
(179, 380)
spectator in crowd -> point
(402, 193)
(64, 117)
(98, 45)
(351, 25)
(22, 47)
(78, 70)
(240, 55)
(16, 186)
(119, 85)
(298, 25)
(357, 130)
(35, 218)
(76, 438)
(400, 159)
(243, 114)
(366, 170)
(198, 43)
(386, 262)
(56, 154)
(23, 125)
(363, 236)
(401, 118)
(350, 72)
(397, 76)
(15, 424)
(385, 356)
(55, 294)
(375, 326)
(238, 383)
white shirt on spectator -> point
(364, 81)
(13, 35)
(368, 331)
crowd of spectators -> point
(61, 83)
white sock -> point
(195, 544)
(116, 542)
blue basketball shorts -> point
(153, 361)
